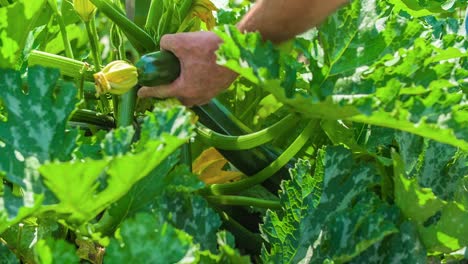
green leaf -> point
(441, 159)
(175, 121)
(118, 142)
(98, 183)
(418, 8)
(227, 252)
(441, 224)
(52, 251)
(146, 239)
(348, 219)
(440, 167)
(296, 198)
(406, 82)
(6, 256)
(345, 35)
(21, 238)
(16, 23)
(90, 146)
(36, 121)
(75, 35)
(16, 203)
(193, 215)
(340, 133)
(139, 198)
(402, 247)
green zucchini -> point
(157, 68)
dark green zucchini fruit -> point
(157, 68)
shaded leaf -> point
(193, 215)
(52, 251)
(441, 224)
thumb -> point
(169, 42)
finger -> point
(189, 102)
(168, 42)
(162, 91)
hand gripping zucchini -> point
(163, 67)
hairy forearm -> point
(280, 20)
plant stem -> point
(248, 141)
(63, 32)
(68, 67)
(154, 15)
(94, 42)
(138, 37)
(186, 155)
(108, 223)
(244, 201)
(124, 105)
(289, 153)
(93, 118)
(80, 83)
(249, 240)
(126, 108)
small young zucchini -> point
(157, 68)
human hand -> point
(200, 78)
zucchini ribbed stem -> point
(289, 153)
(248, 141)
(68, 67)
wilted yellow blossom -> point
(204, 10)
(118, 77)
(84, 8)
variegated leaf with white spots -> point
(348, 219)
(34, 132)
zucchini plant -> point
(348, 144)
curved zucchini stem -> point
(244, 201)
(248, 141)
(289, 153)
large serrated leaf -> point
(297, 199)
(406, 82)
(345, 35)
(348, 219)
(36, 121)
(86, 188)
(34, 132)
